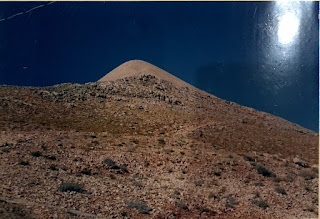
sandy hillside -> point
(141, 143)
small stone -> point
(182, 206)
(300, 162)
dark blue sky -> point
(259, 54)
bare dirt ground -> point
(141, 147)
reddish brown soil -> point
(178, 152)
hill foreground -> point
(141, 143)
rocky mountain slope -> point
(141, 143)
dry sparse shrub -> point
(310, 209)
(89, 146)
(86, 171)
(136, 141)
(95, 142)
(248, 158)
(111, 164)
(230, 202)
(53, 167)
(280, 190)
(70, 187)
(123, 167)
(161, 141)
(260, 204)
(286, 164)
(71, 213)
(307, 188)
(307, 175)
(182, 206)
(256, 194)
(277, 180)
(50, 157)
(202, 209)
(24, 163)
(184, 171)
(199, 183)
(36, 154)
(212, 196)
(168, 151)
(316, 170)
(5, 150)
(143, 209)
(124, 214)
(77, 159)
(32, 182)
(263, 171)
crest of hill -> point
(139, 67)
(135, 68)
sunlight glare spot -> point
(288, 28)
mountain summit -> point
(139, 67)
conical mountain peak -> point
(140, 67)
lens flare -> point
(288, 28)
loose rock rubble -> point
(143, 147)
